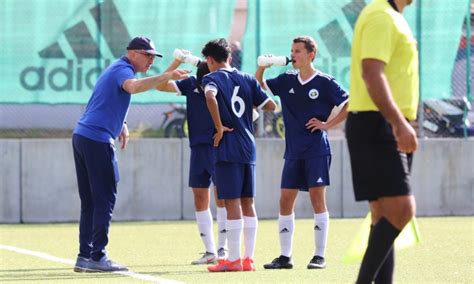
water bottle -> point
(186, 58)
(270, 59)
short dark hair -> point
(201, 71)
(309, 43)
(218, 49)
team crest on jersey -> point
(313, 94)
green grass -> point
(165, 249)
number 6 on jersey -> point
(236, 99)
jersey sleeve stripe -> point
(211, 87)
(264, 103)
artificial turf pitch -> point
(164, 250)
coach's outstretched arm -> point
(135, 86)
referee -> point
(384, 98)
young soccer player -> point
(201, 169)
(308, 97)
(231, 96)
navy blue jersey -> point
(200, 125)
(108, 106)
(301, 101)
(237, 94)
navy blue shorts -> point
(235, 180)
(378, 168)
(307, 173)
(202, 166)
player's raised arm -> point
(268, 60)
(180, 56)
(167, 85)
(259, 76)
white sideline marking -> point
(46, 256)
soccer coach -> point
(383, 99)
(94, 150)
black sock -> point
(380, 243)
(385, 273)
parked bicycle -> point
(175, 122)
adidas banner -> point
(53, 51)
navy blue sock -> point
(381, 242)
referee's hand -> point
(405, 136)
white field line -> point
(49, 257)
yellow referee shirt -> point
(382, 33)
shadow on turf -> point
(42, 274)
(181, 269)
(50, 274)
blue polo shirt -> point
(237, 94)
(108, 106)
(200, 125)
(301, 101)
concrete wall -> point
(10, 187)
(38, 182)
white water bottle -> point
(268, 60)
(186, 58)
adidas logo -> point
(196, 90)
(71, 61)
(291, 91)
(223, 231)
(80, 38)
(285, 230)
(317, 228)
(202, 235)
(320, 180)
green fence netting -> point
(52, 51)
(272, 24)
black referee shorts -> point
(378, 168)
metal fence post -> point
(421, 115)
(468, 65)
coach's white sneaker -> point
(207, 258)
